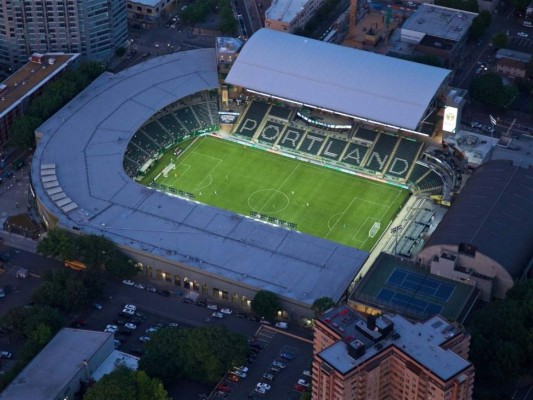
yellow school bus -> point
(75, 265)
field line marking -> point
(342, 215)
(205, 155)
(198, 187)
(278, 189)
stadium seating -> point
(202, 114)
(252, 119)
(366, 134)
(431, 183)
(333, 148)
(404, 157)
(155, 131)
(144, 142)
(213, 110)
(312, 143)
(270, 132)
(187, 118)
(381, 152)
(291, 138)
(418, 172)
(355, 154)
(281, 112)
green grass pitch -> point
(321, 201)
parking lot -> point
(278, 374)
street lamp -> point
(396, 232)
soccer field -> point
(320, 201)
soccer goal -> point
(374, 230)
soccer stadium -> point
(282, 178)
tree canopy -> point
(500, 40)
(97, 252)
(202, 354)
(489, 89)
(502, 336)
(126, 384)
(265, 304)
(322, 304)
(465, 5)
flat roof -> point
(440, 22)
(97, 126)
(150, 3)
(513, 55)
(285, 10)
(30, 77)
(421, 341)
(50, 371)
(323, 75)
(114, 360)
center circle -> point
(268, 201)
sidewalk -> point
(19, 242)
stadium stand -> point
(291, 138)
(281, 112)
(312, 143)
(431, 183)
(355, 154)
(366, 134)
(171, 124)
(418, 172)
(381, 152)
(333, 149)
(202, 114)
(404, 157)
(213, 110)
(252, 118)
(270, 132)
(145, 143)
(186, 116)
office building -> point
(94, 28)
(389, 357)
(290, 15)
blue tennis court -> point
(420, 283)
(400, 300)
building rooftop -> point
(476, 148)
(351, 82)
(150, 3)
(101, 199)
(115, 359)
(285, 10)
(30, 77)
(420, 341)
(513, 55)
(56, 365)
(440, 22)
(228, 44)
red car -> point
(233, 378)
(300, 388)
(224, 388)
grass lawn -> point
(321, 201)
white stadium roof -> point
(78, 175)
(324, 75)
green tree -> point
(478, 28)
(500, 40)
(265, 304)
(529, 70)
(322, 304)
(489, 89)
(486, 17)
(520, 5)
(22, 132)
(57, 243)
(428, 59)
(305, 396)
(201, 354)
(502, 336)
(126, 384)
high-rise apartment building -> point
(94, 28)
(388, 357)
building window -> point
(205, 289)
(177, 280)
(235, 298)
(186, 283)
(195, 286)
(158, 274)
(217, 293)
(245, 302)
(225, 295)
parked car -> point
(224, 388)
(260, 390)
(286, 355)
(152, 329)
(151, 289)
(227, 311)
(144, 338)
(307, 373)
(187, 300)
(97, 306)
(5, 354)
(131, 307)
(128, 282)
(268, 377)
(522, 34)
(217, 315)
(200, 303)
(127, 311)
(139, 286)
(279, 364)
(282, 325)
(213, 307)
(233, 378)
(264, 385)
(131, 326)
(275, 368)
(300, 388)
(303, 382)
(173, 325)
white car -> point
(131, 307)
(260, 390)
(144, 338)
(128, 282)
(5, 354)
(213, 307)
(227, 311)
(282, 325)
(217, 315)
(522, 34)
(131, 326)
(128, 311)
(303, 382)
(279, 364)
(266, 386)
(307, 373)
(242, 369)
(139, 286)
(152, 329)
(240, 374)
(111, 329)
